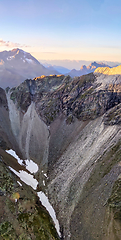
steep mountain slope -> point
(71, 128)
(21, 214)
(18, 65)
(85, 70)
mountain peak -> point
(17, 65)
(19, 54)
(15, 50)
(83, 67)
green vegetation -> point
(6, 182)
(6, 231)
(25, 219)
(115, 199)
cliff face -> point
(71, 129)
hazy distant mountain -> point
(59, 69)
(51, 68)
(85, 70)
(74, 64)
(17, 65)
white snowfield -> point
(26, 178)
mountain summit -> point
(17, 65)
(16, 54)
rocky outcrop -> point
(79, 97)
(70, 127)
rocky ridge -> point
(71, 128)
(109, 71)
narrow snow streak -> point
(13, 153)
(19, 183)
(45, 202)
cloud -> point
(11, 44)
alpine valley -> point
(69, 129)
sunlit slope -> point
(109, 71)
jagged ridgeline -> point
(70, 128)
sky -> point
(62, 29)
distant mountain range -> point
(18, 65)
(59, 69)
(85, 70)
(73, 64)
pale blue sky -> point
(62, 29)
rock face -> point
(71, 128)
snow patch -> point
(45, 175)
(30, 165)
(26, 178)
(45, 202)
(13, 153)
(29, 60)
(9, 58)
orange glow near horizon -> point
(88, 55)
(74, 54)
